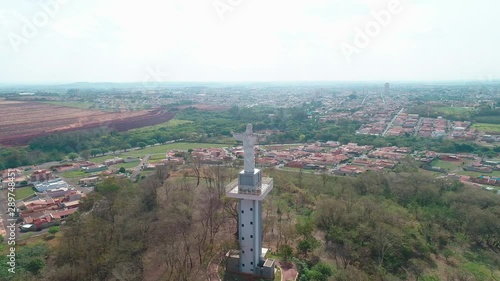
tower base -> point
(265, 269)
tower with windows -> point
(250, 188)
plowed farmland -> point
(22, 121)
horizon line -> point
(479, 81)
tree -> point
(141, 144)
(325, 177)
(73, 156)
(34, 266)
(447, 253)
(122, 170)
(113, 149)
(53, 230)
(285, 252)
(195, 163)
(320, 272)
(307, 245)
(95, 151)
(85, 154)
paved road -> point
(138, 168)
(3, 210)
(392, 121)
(5, 219)
(419, 124)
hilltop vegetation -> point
(395, 226)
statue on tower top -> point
(249, 139)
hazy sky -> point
(248, 40)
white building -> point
(51, 184)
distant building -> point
(12, 175)
(113, 161)
(96, 168)
(88, 181)
(51, 184)
(41, 175)
(386, 88)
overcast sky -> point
(248, 40)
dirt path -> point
(288, 271)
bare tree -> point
(325, 177)
(195, 163)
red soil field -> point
(20, 122)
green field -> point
(126, 165)
(101, 159)
(75, 174)
(156, 158)
(280, 147)
(157, 151)
(446, 164)
(171, 123)
(485, 127)
(171, 146)
(458, 112)
(24, 192)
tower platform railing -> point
(263, 186)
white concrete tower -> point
(250, 188)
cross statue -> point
(249, 139)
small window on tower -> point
(251, 263)
(251, 222)
(243, 265)
(242, 238)
(251, 236)
(242, 211)
(251, 209)
(251, 249)
(242, 225)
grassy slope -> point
(170, 123)
(487, 127)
